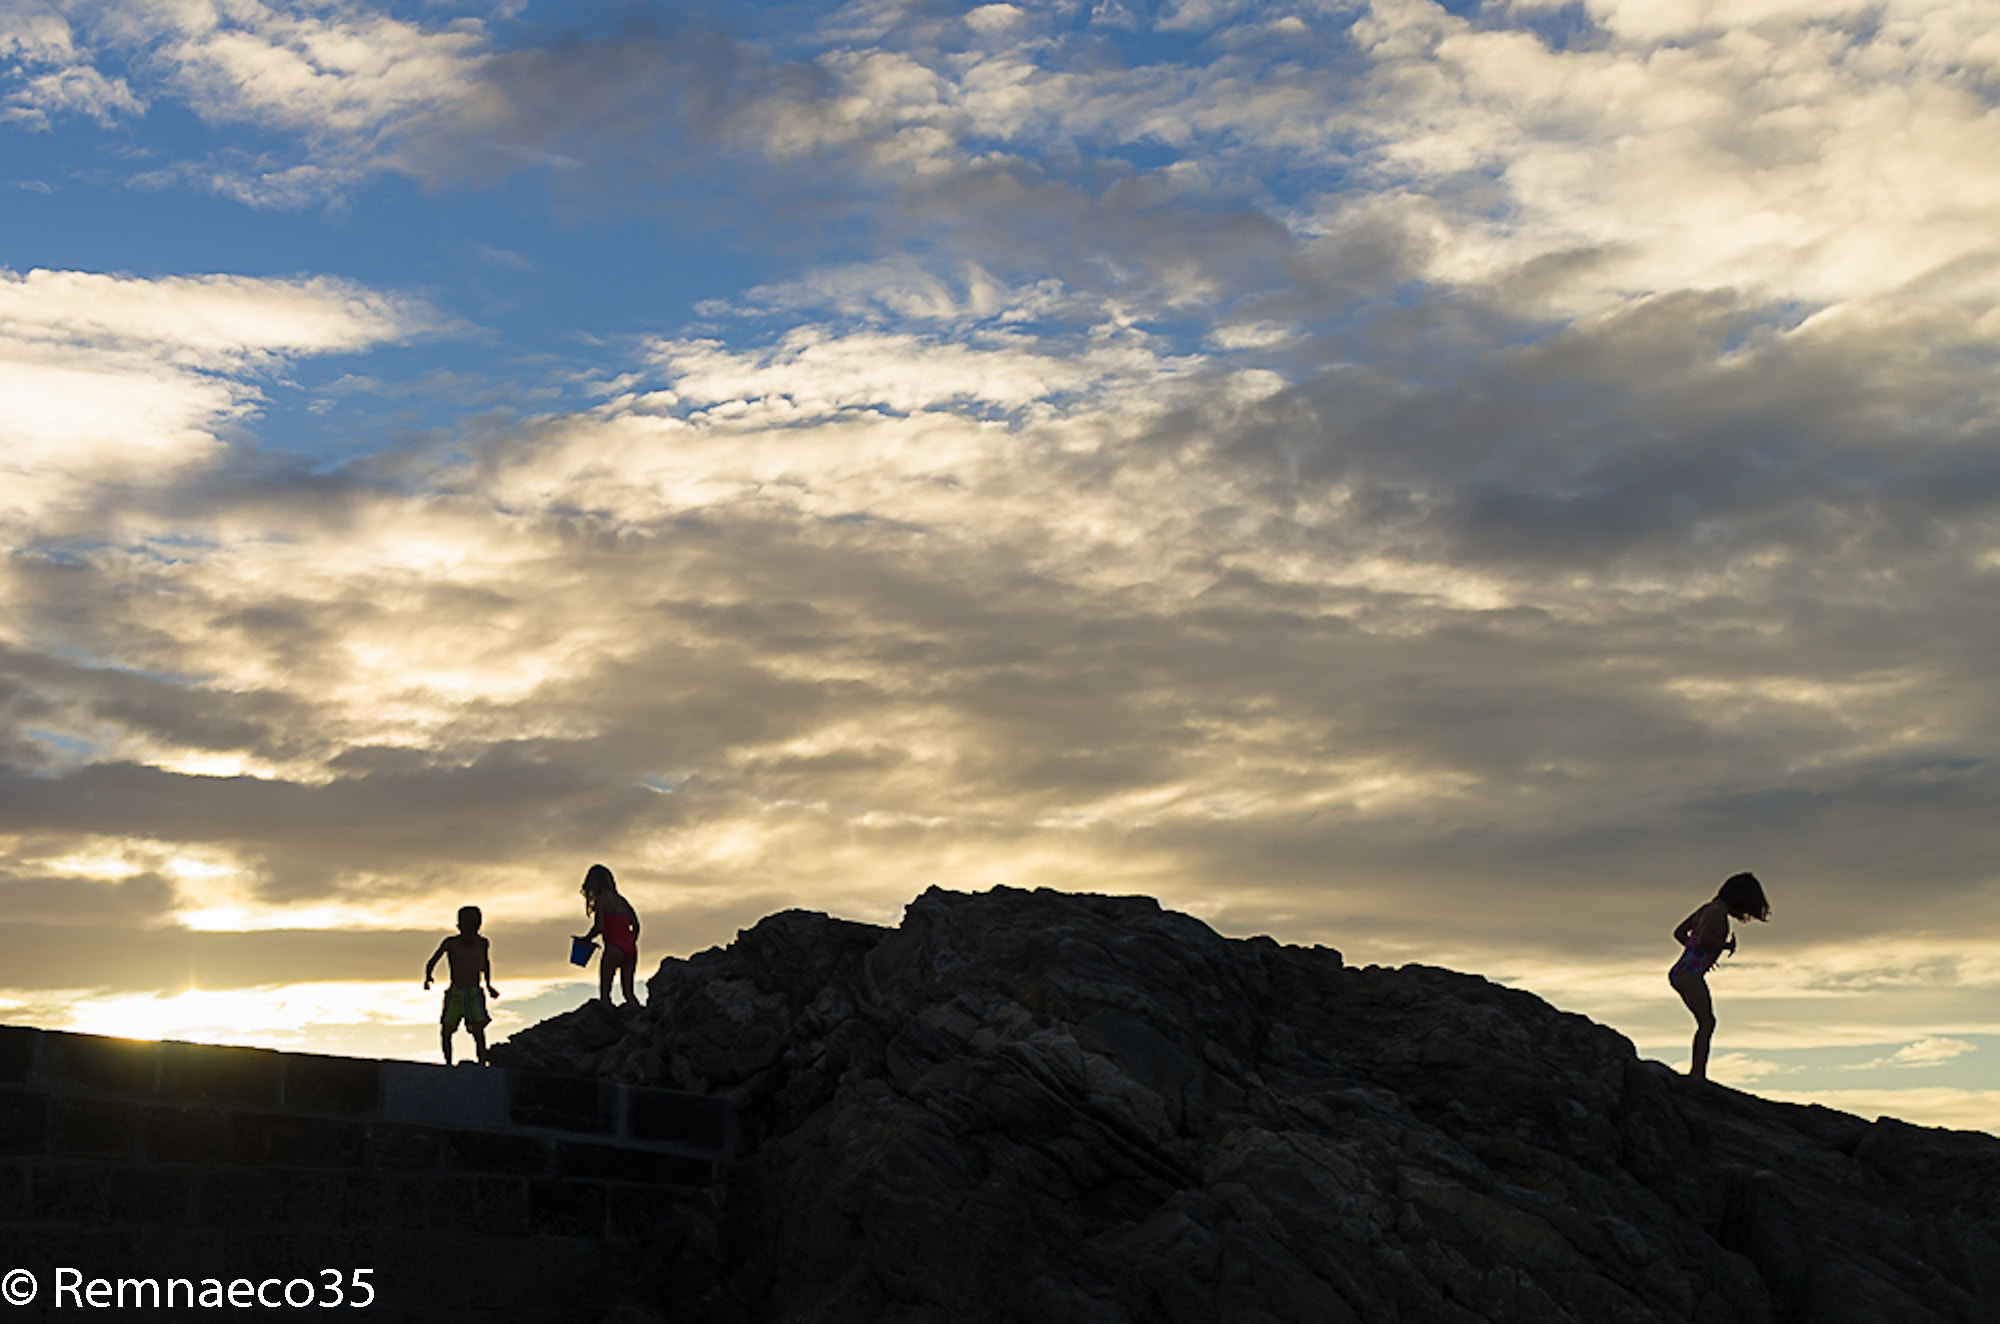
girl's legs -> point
(614, 958)
(1693, 989)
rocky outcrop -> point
(1048, 1107)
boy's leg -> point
(448, 1023)
(479, 1041)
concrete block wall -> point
(482, 1192)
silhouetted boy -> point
(470, 961)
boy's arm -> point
(1685, 927)
(431, 964)
(486, 967)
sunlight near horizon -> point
(297, 1017)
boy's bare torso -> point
(466, 953)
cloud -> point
(341, 73)
(122, 380)
(902, 288)
(813, 372)
(347, 81)
(1741, 1071)
(1789, 152)
(994, 18)
(1932, 1051)
(1963, 1109)
(216, 322)
(36, 37)
(35, 32)
(82, 90)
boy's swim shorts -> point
(466, 1004)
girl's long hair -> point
(597, 880)
(1742, 892)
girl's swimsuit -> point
(1695, 960)
(618, 932)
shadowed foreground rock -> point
(1045, 1107)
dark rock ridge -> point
(1045, 1107)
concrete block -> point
(180, 1250)
(396, 1203)
(298, 1142)
(699, 1121)
(240, 1197)
(97, 1252)
(404, 1148)
(483, 1206)
(24, 1122)
(188, 1135)
(204, 1073)
(68, 1193)
(496, 1152)
(94, 1128)
(567, 1208)
(613, 1163)
(567, 1103)
(332, 1084)
(377, 1203)
(143, 1194)
(17, 1053)
(641, 1211)
(13, 1190)
(444, 1096)
(124, 1065)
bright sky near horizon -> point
(1451, 483)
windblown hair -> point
(1745, 895)
(597, 880)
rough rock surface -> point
(1046, 1107)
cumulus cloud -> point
(51, 75)
(348, 80)
(125, 380)
(1932, 1051)
(211, 322)
(82, 90)
(1801, 154)
(814, 372)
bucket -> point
(580, 950)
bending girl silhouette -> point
(612, 916)
(1705, 934)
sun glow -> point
(322, 1017)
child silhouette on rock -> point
(614, 919)
(1705, 937)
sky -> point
(1450, 483)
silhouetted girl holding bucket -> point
(1705, 934)
(613, 917)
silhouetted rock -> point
(1046, 1107)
